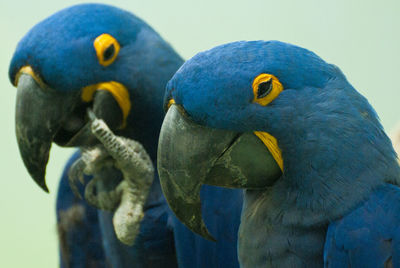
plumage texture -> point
(60, 50)
(219, 203)
(368, 236)
(335, 152)
(77, 228)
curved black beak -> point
(39, 113)
(190, 155)
(44, 115)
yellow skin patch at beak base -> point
(28, 70)
(272, 145)
(103, 43)
(170, 102)
(119, 92)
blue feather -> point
(220, 206)
(369, 235)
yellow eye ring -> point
(266, 87)
(107, 49)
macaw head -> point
(259, 115)
(87, 56)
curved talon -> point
(75, 175)
(92, 116)
(100, 198)
(90, 193)
(90, 161)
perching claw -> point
(102, 192)
(75, 175)
(132, 160)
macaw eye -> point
(107, 48)
(109, 52)
(266, 87)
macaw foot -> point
(103, 191)
(122, 176)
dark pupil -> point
(109, 52)
(264, 89)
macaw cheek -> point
(245, 164)
(190, 155)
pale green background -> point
(361, 37)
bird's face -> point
(242, 113)
(87, 56)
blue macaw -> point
(320, 174)
(97, 61)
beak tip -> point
(46, 189)
(209, 237)
(43, 186)
(204, 232)
(41, 182)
